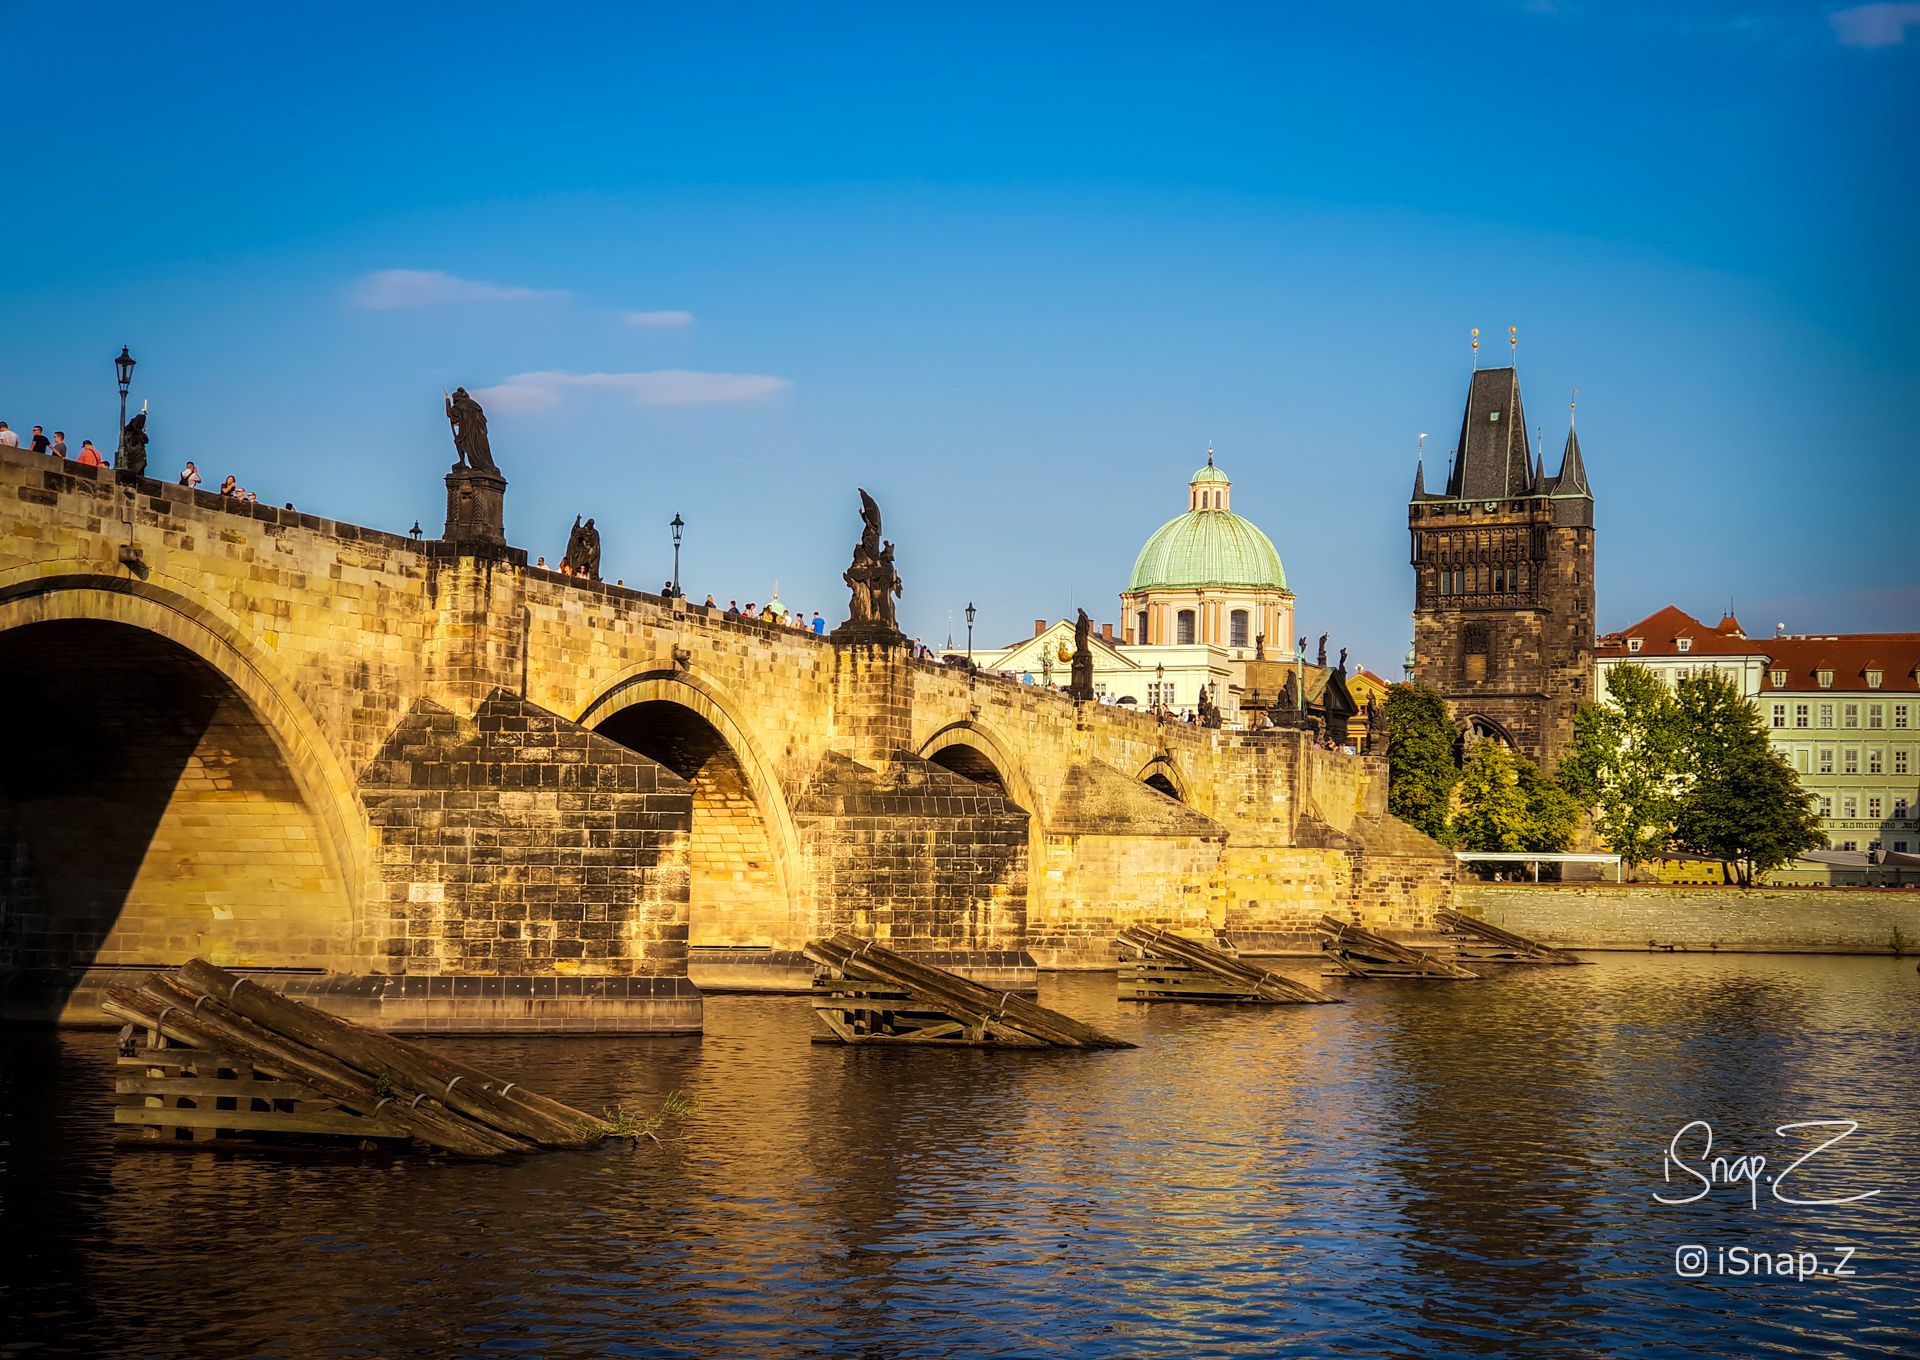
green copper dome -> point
(1209, 473)
(1208, 548)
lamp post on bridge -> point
(970, 614)
(123, 367)
(677, 525)
(1160, 690)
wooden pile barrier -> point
(1480, 941)
(225, 1056)
(1171, 967)
(1359, 952)
(868, 994)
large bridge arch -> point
(166, 792)
(745, 852)
(1162, 774)
(971, 749)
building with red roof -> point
(1843, 709)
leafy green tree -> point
(1552, 814)
(1420, 767)
(1490, 807)
(1742, 804)
(1626, 762)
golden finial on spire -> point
(1513, 342)
(1572, 403)
(1476, 347)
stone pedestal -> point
(476, 507)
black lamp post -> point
(677, 525)
(124, 367)
(970, 613)
(1160, 690)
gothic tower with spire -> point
(1503, 579)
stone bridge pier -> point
(437, 788)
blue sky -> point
(1010, 269)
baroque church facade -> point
(1503, 579)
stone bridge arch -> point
(971, 749)
(166, 792)
(745, 853)
(1162, 774)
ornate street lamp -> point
(416, 531)
(970, 614)
(1160, 690)
(124, 367)
(677, 525)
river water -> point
(1435, 1169)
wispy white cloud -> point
(657, 319)
(662, 387)
(1874, 25)
(386, 289)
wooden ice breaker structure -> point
(868, 994)
(1476, 941)
(1158, 965)
(1359, 952)
(225, 1057)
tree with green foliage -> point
(1420, 768)
(1489, 806)
(1742, 804)
(1625, 763)
(1552, 815)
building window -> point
(1850, 761)
(1900, 761)
(1826, 806)
(1683, 644)
(1873, 761)
(1849, 715)
(1899, 715)
(1873, 679)
(1825, 677)
(1849, 845)
(1237, 623)
(1876, 715)
(1633, 645)
(1826, 715)
(1826, 760)
(1799, 715)
(1873, 806)
(1849, 808)
(1779, 679)
(1779, 715)
(1183, 628)
(1900, 812)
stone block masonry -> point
(293, 743)
(1727, 920)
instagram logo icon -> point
(1690, 1263)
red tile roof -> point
(1848, 655)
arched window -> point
(1237, 624)
(1183, 628)
(1140, 636)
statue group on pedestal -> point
(871, 577)
(583, 551)
(1081, 685)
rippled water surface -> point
(1437, 1169)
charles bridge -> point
(444, 789)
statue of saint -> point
(871, 579)
(1322, 659)
(132, 453)
(1081, 686)
(469, 424)
(588, 564)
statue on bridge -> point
(583, 550)
(873, 581)
(469, 424)
(131, 456)
(1080, 688)
(1322, 659)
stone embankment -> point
(1729, 920)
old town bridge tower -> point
(1503, 579)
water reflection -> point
(1437, 1169)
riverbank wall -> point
(1642, 916)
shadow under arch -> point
(177, 797)
(746, 847)
(973, 751)
(1163, 776)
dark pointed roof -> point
(1420, 479)
(1573, 472)
(1492, 462)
